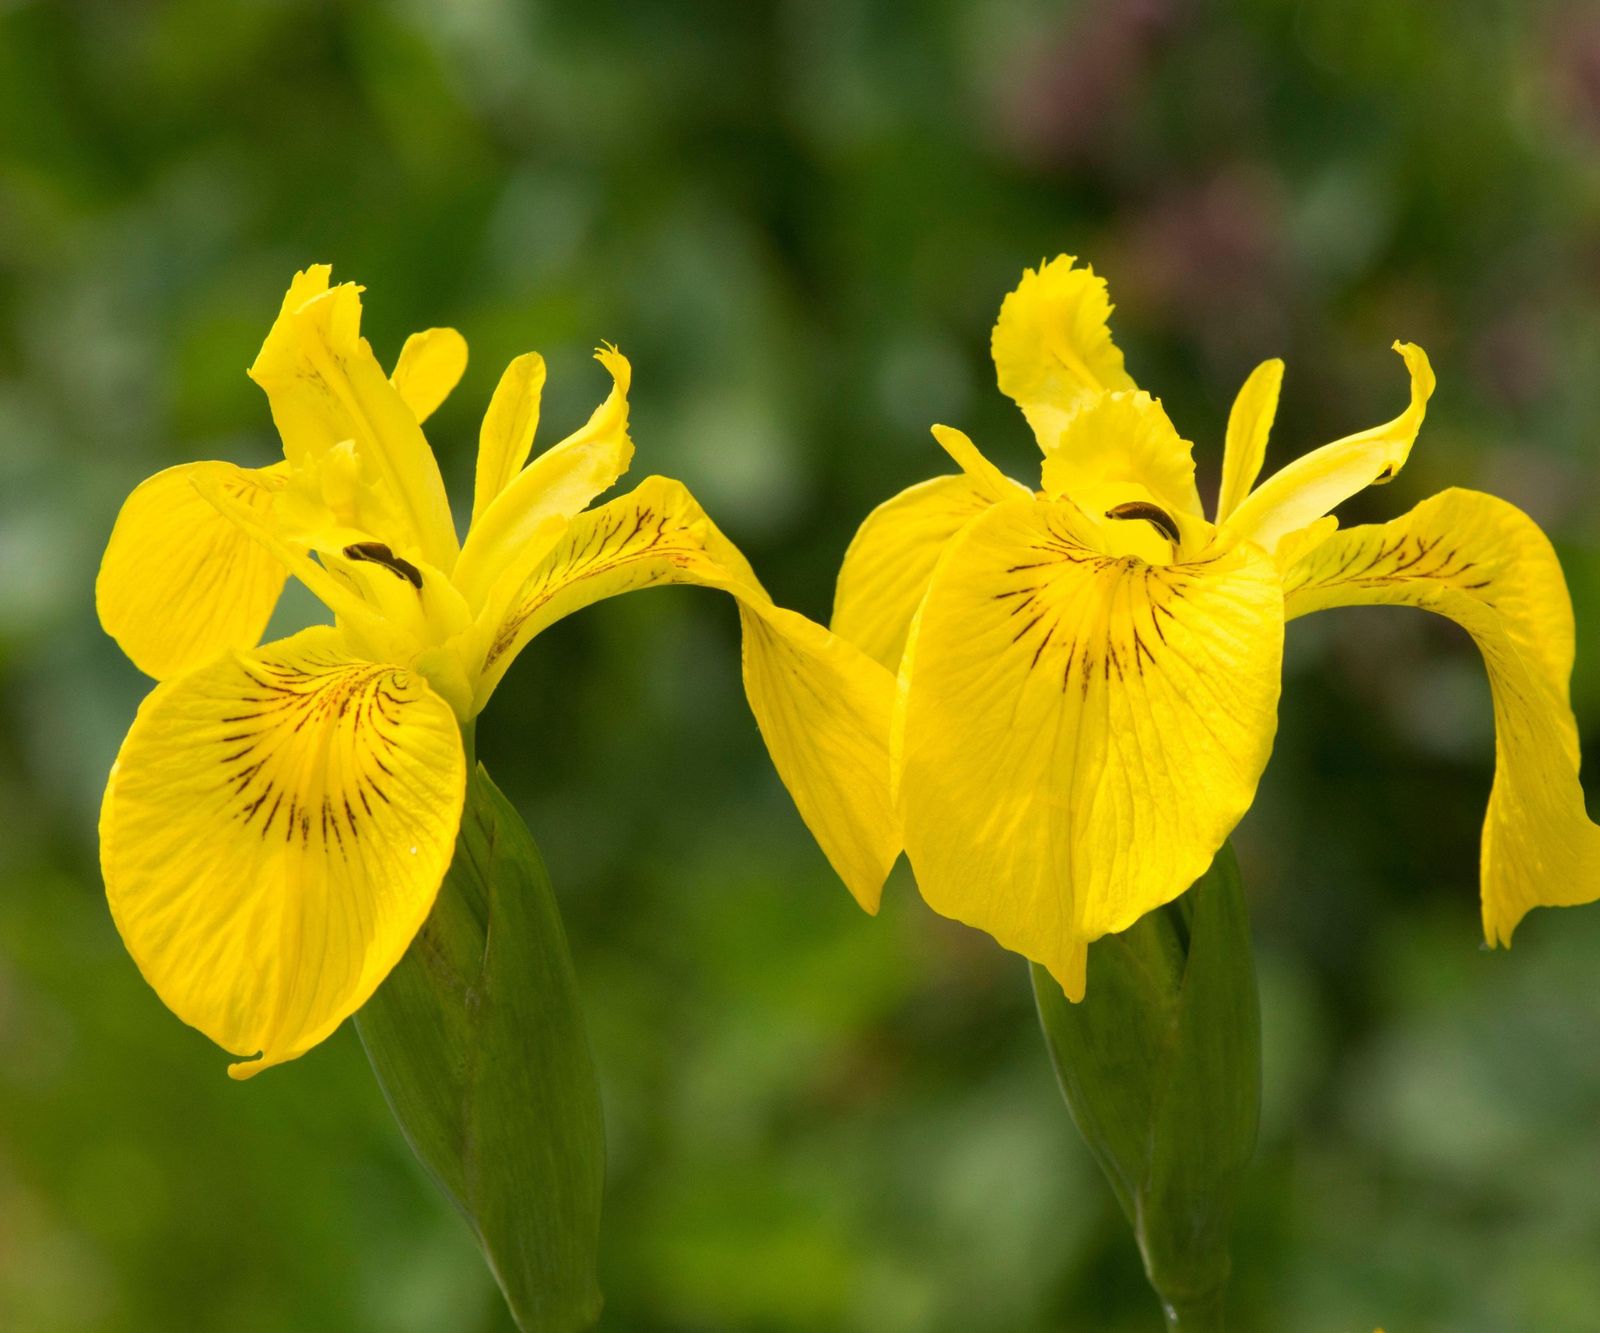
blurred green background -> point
(798, 219)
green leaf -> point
(1160, 1065)
(477, 1040)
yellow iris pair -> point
(1058, 701)
(280, 817)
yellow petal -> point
(325, 387)
(1052, 347)
(985, 477)
(822, 705)
(1325, 478)
(1249, 425)
(529, 514)
(508, 429)
(1079, 733)
(1121, 439)
(1485, 565)
(889, 562)
(273, 834)
(179, 583)
(430, 366)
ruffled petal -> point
(273, 834)
(1317, 483)
(179, 583)
(1052, 346)
(431, 364)
(326, 387)
(822, 705)
(1485, 565)
(1122, 439)
(1078, 732)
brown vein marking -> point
(1374, 561)
(323, 692)
(610, 545)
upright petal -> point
(1249, 425)
(528, 515)
(325, 386)
(1485, 565)
(1122, 439)
(273, 834)
(1052, 346)
(822, 705)
(430, 366)
(1079, 732)
(889, 562)
(509, 425)
(179, 583)
(1315, 484)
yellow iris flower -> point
(279, 818)
(1089, 672)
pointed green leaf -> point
(478, 1043)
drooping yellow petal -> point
(273, 834)
(1314, 485)
(822, 705)
(1485, 565)
(985, 477)
(509, 426)
(1120, 439)
(1052, 347)
(528, 516)
(430, 366)
(179, 583)
(1079, 733)
(1249, 425)
(891, 558)
(326, 387)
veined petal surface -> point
(1485, 565)
(325, 387)
(1118, 439)
(273, 834)
(179, 582)
(891, 558)
(1052, 345)
(1080, 732)
(823, 706)
(1325, 478)
(431, 365)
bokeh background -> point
(798, 219)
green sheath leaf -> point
(478, 1043)
(1160, 1065)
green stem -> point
(1199, 1315)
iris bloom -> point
(280, 817)
(1089, 672)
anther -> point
(379, 554)
(1154, 515)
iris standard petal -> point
(1325, 478)
(179, 582)
(1080, 732)
(1249, 424)
(1485, 565)
(1122, 439)
(1052, 347)
(822, 705)
(273, 834)
(325, 387)
(891, 558)
(431, 365)
(506, 437)
(528, 515)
